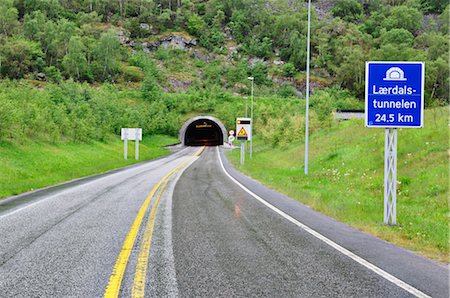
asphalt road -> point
(65, 243)
(206, 237)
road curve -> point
(180, 226)
(227, 244)
(65, 243)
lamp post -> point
(251, 117)
(307, 88)
(246, 106)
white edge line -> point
(331, 243)
(14, 211)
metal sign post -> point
(136, 153)
(394, 99)
(390, 176)
(125, 148)
(243, 152)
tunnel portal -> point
(202, 131)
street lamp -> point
(246, 106)
(307, 88)
(251, 117)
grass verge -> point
(345, 181)
(33, 165)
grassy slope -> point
(34, 165)
(346, 179)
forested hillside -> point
(222, 42)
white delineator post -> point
(390, 176)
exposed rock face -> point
(177, 41)
(174, 40)
(144, 26)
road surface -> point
(183, 226)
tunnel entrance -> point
(202, 131)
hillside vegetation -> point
(96, 40)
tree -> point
(405, 17)
(397, 36)
(19, 57)
(107, 55)
(289, 70)
(8, 17)
(348, 10)
(195, 25)
(74, 62)
(51, 8)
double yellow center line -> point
(115, 280)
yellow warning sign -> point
(242, 133)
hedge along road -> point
(165, 232)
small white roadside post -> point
(132, 134)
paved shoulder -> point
(226, 243)
(417, 271)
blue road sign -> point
(394, 94)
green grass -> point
(346, 175)
(33, 165)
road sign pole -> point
(243, 152)
(251, 117)
(125, 147)
(137, 150)
(390, 176)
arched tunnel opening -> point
(202, 131)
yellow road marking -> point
(115, 280)
(140, 275)
(141, 266)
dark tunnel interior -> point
(203, 132)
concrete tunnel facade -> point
(203, 130)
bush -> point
(132, 73)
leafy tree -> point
(437, 79)
(349, 10)
(239, 25)
(261, 48)
(289, 70)
(51, 8)
(150, 89)
(74, 62)
(259, 72)
(436, 6)
(34, 26)
(107, 56)
(350, 73)
(19, 57)
(295, 51)
(195, 25)
(397, 36)
(405, 17)
(8, 17)
(434, 44)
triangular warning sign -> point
(242, 133)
